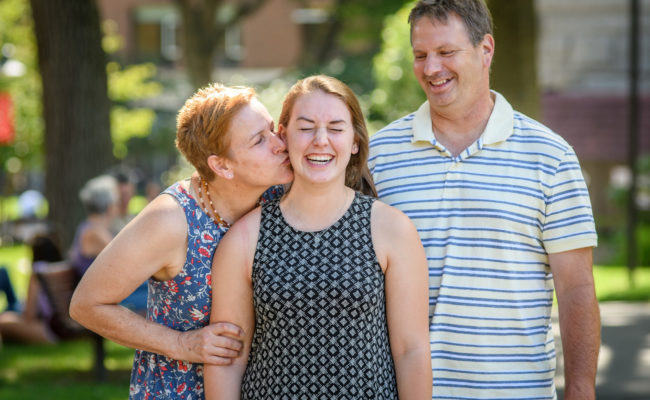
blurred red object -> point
(6, 119)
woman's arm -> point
(153, 244)
(30, 311)
(401, 254)
(232, 300)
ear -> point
(282, 132)
(220, 166)
(355, 147)
(487, 47)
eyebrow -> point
(338, 121)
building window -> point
(156, 33)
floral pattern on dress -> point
(182, 303)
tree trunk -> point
(203, 35)
(514, 68)
(200, 39)
(75, 105)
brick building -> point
(583, 53)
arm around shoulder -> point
(138, 252)
(400, 252)
(153, 244)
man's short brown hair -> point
(474, 14)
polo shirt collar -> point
(422, 129)
(501, 123)
(499, 127)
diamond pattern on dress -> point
(320, 313)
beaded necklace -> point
(216, 217)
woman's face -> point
(257, 155)
(320, 138)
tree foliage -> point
(126, 84)
(344, 46)
(397, 91)
(18, 44)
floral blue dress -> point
(182, 303)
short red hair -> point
(203, 122)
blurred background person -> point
(34, 324)
(8, 289)
(125, 179)
(152, 189)
(99, 197)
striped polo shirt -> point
(488, 218)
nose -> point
(431, 65)
(320, 136)
(278, 144)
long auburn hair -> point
(357, 174)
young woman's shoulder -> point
(246, 230)
(393, 233)
(389, 219)
(236, 251)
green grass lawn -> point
(62, 371)
(55, 371)
(612, 284)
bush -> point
(397, 91)
(619, 193)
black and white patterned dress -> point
(320, 312)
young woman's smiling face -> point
(320, 138)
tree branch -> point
(245, 8)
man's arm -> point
(579, 320)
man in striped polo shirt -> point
(504, 214)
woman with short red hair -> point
(229, 138)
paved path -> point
(624, 361)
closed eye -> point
(258, 140)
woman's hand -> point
(216, 344)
